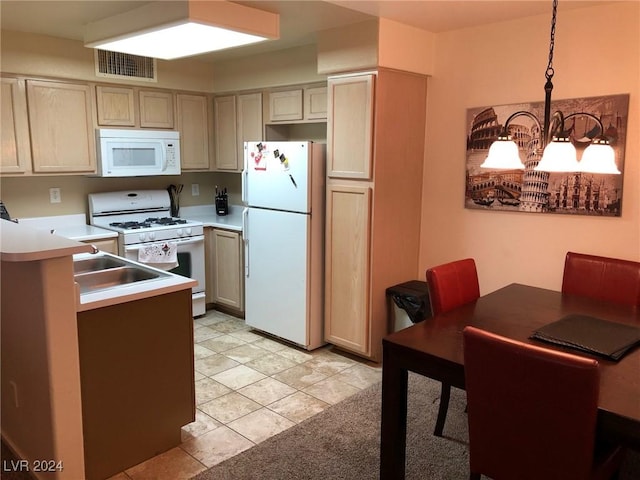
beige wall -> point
(29, 196)
(32, 54)
(597, 52)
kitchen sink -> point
(91, 281)
(96, 264)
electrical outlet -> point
(195, 189)
(55, 195)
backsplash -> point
(29, 196)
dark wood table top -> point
(434, 348)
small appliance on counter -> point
(4, 213)
(222, 202)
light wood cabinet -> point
(237, 119)
(61, 127)
(298, 105)
(193, 125)
(228, 280)
(315, 103)
(347, 266)
(224, 122)
(224, 265)
(249, 121)
(16, 151)
(350, 127)
(375, 136)
(156, 109)
(116, 106)
(285, 105)
(132, 107)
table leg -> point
(393, 432)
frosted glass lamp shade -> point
(503, 154)
(599, 157)
(559, 156)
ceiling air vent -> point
(124, 65)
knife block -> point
(222, 205)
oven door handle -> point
(187, 241)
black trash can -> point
(408, 304)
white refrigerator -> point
(283, 188)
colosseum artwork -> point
(529, 190)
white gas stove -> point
(143, 221)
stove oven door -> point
(190, 256)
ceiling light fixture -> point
(176, 29)
(559, 154)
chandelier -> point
(558, 153)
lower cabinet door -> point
(227, 269)
(347, 253)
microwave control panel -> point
(171, 154)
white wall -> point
(597, 52)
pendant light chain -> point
(549, 73)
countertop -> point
(207, 215)
(69, 226)
(21, 243)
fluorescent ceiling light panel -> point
(176, 29)
(181, 41)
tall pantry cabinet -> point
(375, 151)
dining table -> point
(433, 348)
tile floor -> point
(250, 387)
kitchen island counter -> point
(207, 215)
(24, 244)
(69, 226)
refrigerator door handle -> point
(245, 237)
(244, 176)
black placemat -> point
(589, 334)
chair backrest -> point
(531, 411)
(602, 278)
(452, 284)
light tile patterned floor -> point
(250, 387)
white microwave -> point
(136, 153)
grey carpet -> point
(343, 443)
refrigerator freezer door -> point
(276, 281)
(277, 176)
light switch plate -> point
(195, 189)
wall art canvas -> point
(543, 192)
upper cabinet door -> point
(156, 109)
(315, 103)
(62, 127)
(193, 125)
(350, 126)
(16, 152)
(285, 106)
(116, 106)
(249, 122)
(224, 111)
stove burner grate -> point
(166, 221)
(130, 225)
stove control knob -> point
(180, 232)
(188, 230)
(152, 235)
(143, 237)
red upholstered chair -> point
(532, 412)
(450, 285)
(602, 278)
